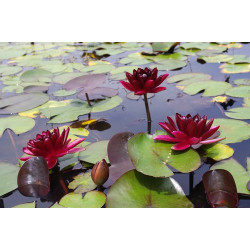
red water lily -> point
(51, 145)
(144, 81)
(189, 131)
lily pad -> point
(239, 113)
(240, 174)
(17, 124)
(216, 58)
(65, 77)
(92, 199)
(82, 183)
(220, 188)
(169, 64)
(132, 96)
(242, 81)
(218, 151)
(188, 78)
(135, 59)
(63, 92)
(95, 152)
(118, 157)
(235, 68)
(36, 75)
(241, 91)
(8, 177)
(26, 205)
(23, 102)
(234, 131)
(211, 88)
(160, 46)
(9, 70)
(135, 190)
(152, 157)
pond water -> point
(130, 115)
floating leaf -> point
(92, 199)
(216, 58)
(17, 124)
(9, 70)
(36, 75)
(56, 205)
(33, 178)
(26, 205)
(118, 157)
(95, 152)
(239, 113)
(135, 190)
(150, 157)
(239, 173)
(99, 69)
(211, 88)
(8, 177)
(218, 151)
(23, 102)
(63, 92)
(159, 46)
(188, 78)
(86, 82)
(169, 64)
(107, 104)
(233, 130)
(220, 188)
(241, 91)
(65, 77)
(221, 99)
(134, 59)
(97, 93)
(82, 183)
(235, 68)
(242, 81)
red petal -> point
(180, 135)
(141, 92)
(209, 124)
(127, 86)
(75, 150)
(129, 77)
(181, 146)
(171, 122)
(191, 128)
(156, 90)
(212, 141)
(51, 162)
(201, 126)
(148, 85)
(166, 127)
(210, 132)
(24, 158)
(59, 141)
(166, 138)
(27, 151)
(66, 135)
(75, 143)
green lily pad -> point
(211, 88)
(218, 151)
(152, 157)
(135, 59)
(9, 70)
(159, 46)
(82, 183)
(23, 102)
(235, 68)
(240, 174)
(240, 59)
(169, 64)
(95, 152)
(241, 91)
(135, 190)
(8, 177)
(26, 205)
(188, 78)
(56, 205)
(99, 69)
(242, 81)
(161, 58)
(36, 75)
(63, 92)
(92, 199)
(234, 130)
(11, 52)
(107, 104)
(216, 58)
(239, 113)
(246, 102)
(17, 124)
(195, 45)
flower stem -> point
(87, 97)
(148, 113)
(191, 183)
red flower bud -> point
(100, 172)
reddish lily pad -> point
(118, 157)
(152, 157)
(220, 188)
(135, 190)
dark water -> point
(131, 116)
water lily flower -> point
(144, 81)
(100, 172)
(52, 145)
(189, 131)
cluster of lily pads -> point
(128, 170)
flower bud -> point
(100, 172)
